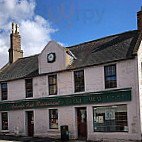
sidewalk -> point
(11, 138)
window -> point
(4, 118)
(52, 81)
(4, 91)
(29, 88)
(53, 118)
(110, 76)
(79, 81)
(110, 119)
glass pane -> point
(110, 70)
(4, 95)
(4, 85)
(79, 81)
(53, 118)
(4, 121)
(29, 93)
(54, 124)
(52, 84)
(52, 90)
(110, 119)
(52, 79)
(28, 81)
(29, 88)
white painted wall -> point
(140, 80)
(60, 64)
(16, 90)
(17, 119)
(40, 86)
(65, 83)
(94, 81)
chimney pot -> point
(13, 28)
(17, 29)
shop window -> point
(110, 76)
(53, 117)
(79, 81)
(29, 87)
(4, 91)
(4, 118)
(110, 119)
(52, 81)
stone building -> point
(95, 88)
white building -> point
(94, 88)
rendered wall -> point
(140, 80)
(94, 81)
(60, 64)
(16, 90)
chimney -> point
(15, 51)
(139, 19)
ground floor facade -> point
(91, 116)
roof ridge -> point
(101, 38)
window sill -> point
(79, 92)
(53, 130)
(53, 95)
(113, 132)
(29, 98)
(4, 131)
(111, 88)
(4, 100)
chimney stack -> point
(15, 51)
(139, 19)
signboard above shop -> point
(117, 95)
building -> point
(95, 88)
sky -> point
(68, 22)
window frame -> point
(111, 106)
(52, 84)
(106, 76)
(3, 91)
(79, 83)
(50, 118)
(2, 121)
(30, 88)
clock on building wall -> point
(51, 57)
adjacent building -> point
(95, 88)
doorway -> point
(30, 120)
(82, 123)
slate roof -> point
(104, 50)
(22, 68)
(108, 49)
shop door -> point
(82, 123)
(30, 117)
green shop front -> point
(95, 112)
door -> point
(82, 123)
(30, 117)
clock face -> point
(51, 57)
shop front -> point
(86, 114)
(110, 118)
